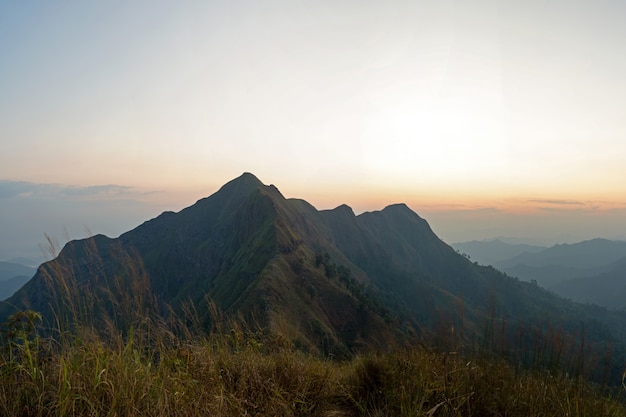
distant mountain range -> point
(29, 262)
(12, 276)
(329, 281)
(492, 252)
(588, 254)
(592, 271)
(9, 270)
(606, 288)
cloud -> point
(454, 208)
(10, 189)
(98, 190)
(570, 206)
(557, 202)
(566, 210)
(24, 190)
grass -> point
(157, 367)
(237, 374)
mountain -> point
(561, 263)
(33, 262)
(492, 252)
(10, 286)
(592, 271)
(550, 276)
(244, 248)
(10, 270)
(606, 288)
(12, 276)
(329, 281)
(586, 254)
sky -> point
(488, 118)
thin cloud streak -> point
(557, 202)
(30, 190)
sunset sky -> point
(488, 118)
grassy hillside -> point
(331, 282)
(138, 363)
(166, 369)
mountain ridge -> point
(328, 280)
(587, 253)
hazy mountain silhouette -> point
(329, 280)
(12, 276)
(586, 254)
(492, 252)
(563, 262)
(606, 288)
(30, 262)
(9, 270)
(10, 286)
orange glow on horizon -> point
(362, 199)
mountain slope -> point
(607, 288)
(239, 248)
(586, 254)
(560, 263)
(330, 281)
(492, 252)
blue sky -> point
(498, 111)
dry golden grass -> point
(236, 375)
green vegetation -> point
(250, 304)
(234, 372)
(112, 354)
(334, 282)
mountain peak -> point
(329, 281)
(242, 185)
(344, 208)
(247, 178)
(400, 208)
